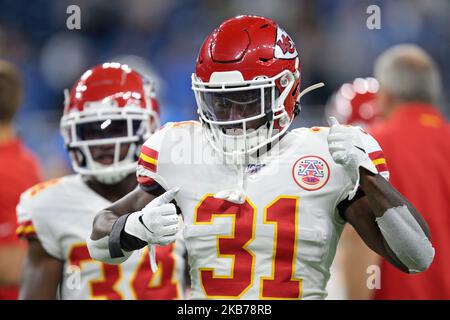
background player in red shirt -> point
(18, 171)
(415, 140)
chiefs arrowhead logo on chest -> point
(311, 172)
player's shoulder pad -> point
(168, 137)
(313, 132)
(39, 196)
(169, 132)
(35, 205)
(368, 140)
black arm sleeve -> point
(120, 240)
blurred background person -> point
(19, 170)
(415, 138)
(354, 104)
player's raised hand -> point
(339, 142)
(346, 146)
(157, 222)
(347, 149)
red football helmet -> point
(354, 103)
(110, 106)
(247, 84)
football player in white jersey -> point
(263, 207)
(108, 114)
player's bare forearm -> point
(41, 274)
(103, 223)
(382, 196)
(104, 220)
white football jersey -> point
(60, 213)
(281, 242)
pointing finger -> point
(166, 197)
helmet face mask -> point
(235, 105)
(108, 131)
(103, 133)
(242, 117)
(246, 84)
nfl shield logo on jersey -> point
(311, 172)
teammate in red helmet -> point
(108, 113)
(355, 103)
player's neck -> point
(7, 133)
(112, 192)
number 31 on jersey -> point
(282, 213)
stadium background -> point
(332, 38)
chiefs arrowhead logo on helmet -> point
(285, 48)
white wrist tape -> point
(99, 250)
(406, 239)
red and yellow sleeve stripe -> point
(148, 158)
(26, 229)
(379, 160)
